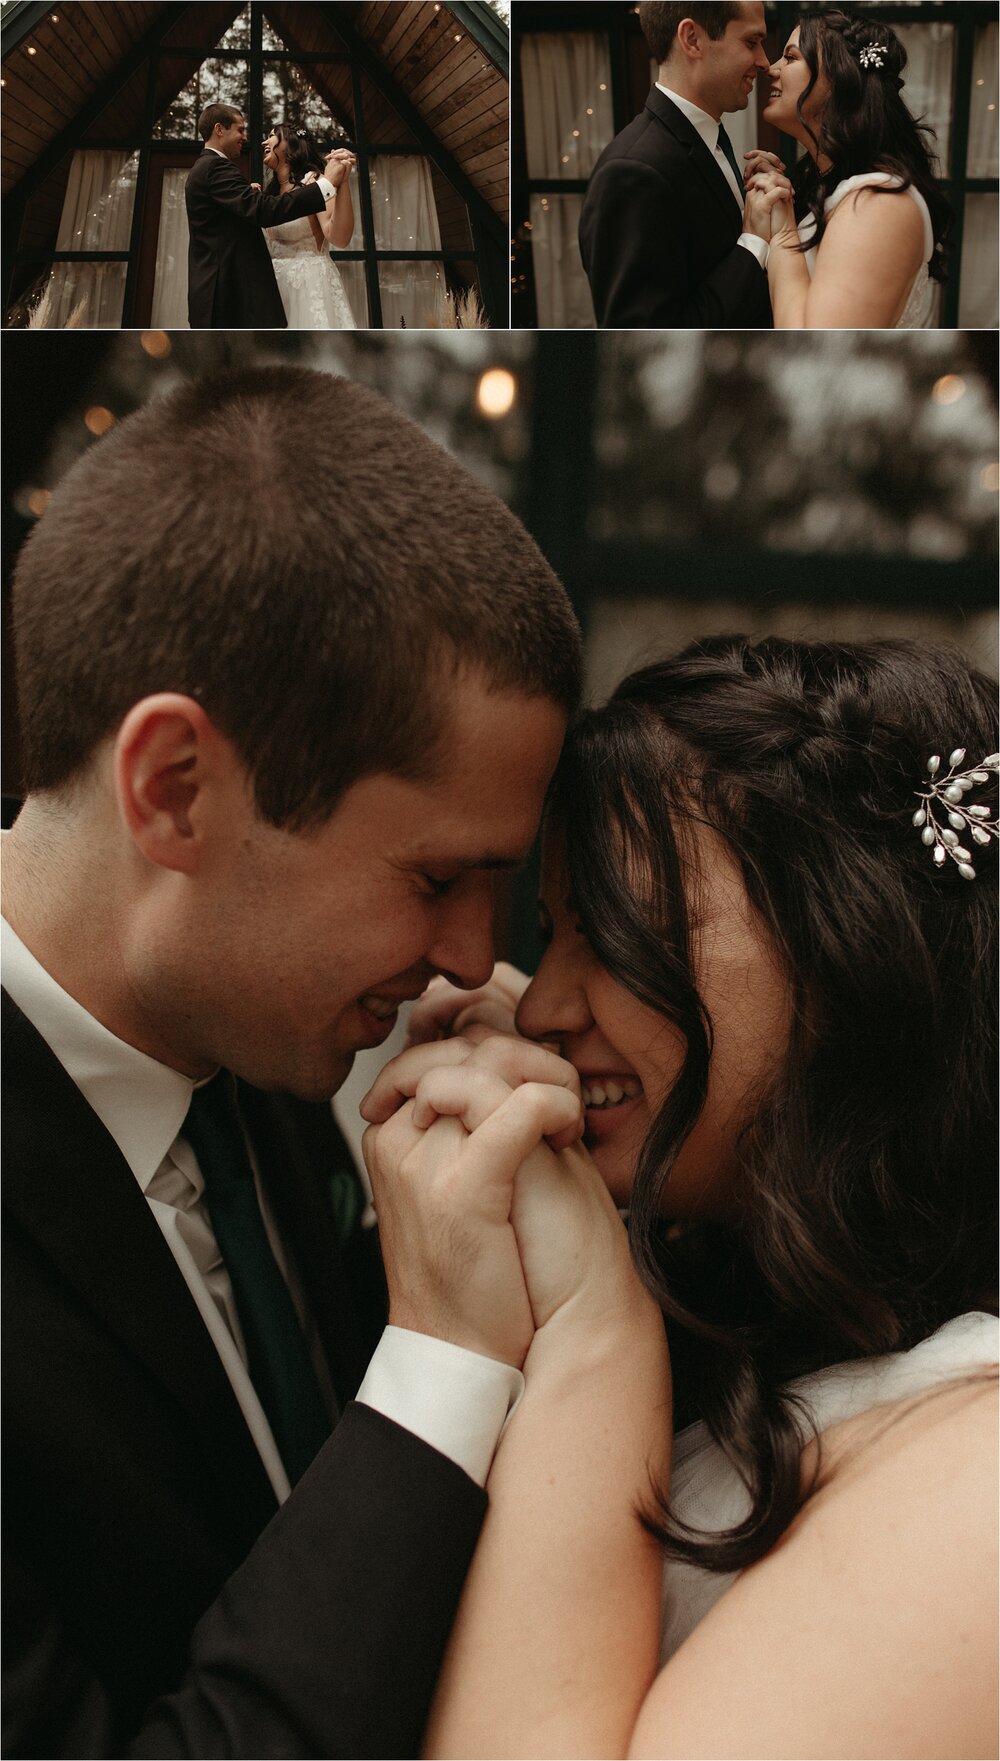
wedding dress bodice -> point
(291, 238)
(309, 282)
(707, 1492)
(917, 312)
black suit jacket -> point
(157, 1603)
(658, 233)
(231, 283)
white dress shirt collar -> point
(141, 1102)
(706, 125)
(214, 150)
(708, 129)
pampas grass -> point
(40, 314)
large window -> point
(582, 72)
(421, 237)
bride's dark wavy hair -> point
(865, 125)
(867, 1187)
(303, 153)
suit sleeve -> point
(632, 240)
(326, 1642)
(232, 192)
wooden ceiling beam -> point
(384, 82)
(117, 78)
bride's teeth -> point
(610, 1093)
(379, 1007)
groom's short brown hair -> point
(288, 549)
(213, 113)
(660, 21)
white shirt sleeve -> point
(326, 187)
(453, 1399)
(757, 247)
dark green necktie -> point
(278, 1359)
(726, 147)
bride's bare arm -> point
(556, 1640)
(867, 261)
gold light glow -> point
(156, 343)
(496, 393)
(990, 477)
(38, 501)
(98, 420)
(948, 389)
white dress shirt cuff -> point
(757, 247)
(453, 1399)
(326, 187)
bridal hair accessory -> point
(872, 56)
(945, 795)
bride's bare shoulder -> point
(871, 1627)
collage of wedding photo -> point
(499, 919)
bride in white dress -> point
(769, 971)
(868, 245)
(309, 282)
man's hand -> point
(768, 209)
(427, 1073)
(490, 1238)
(758, 161)
(444, 1197)
(339, 165)
(444, 1009)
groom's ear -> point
(174, 778)
(689, 38)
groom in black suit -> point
(231, 283)
(270, 777)
(662, 233)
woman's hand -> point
(445, 1009)
(757, 161)
(426, 1075)
(444, 1196)
(768, 210)
(339, 165)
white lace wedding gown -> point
(917, 314)
(309, 283)
(707, 1492)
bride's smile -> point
(629, 1057)
(790, 79)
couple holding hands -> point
(717, 1481)
(674, 234)
(260, 259)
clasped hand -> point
(339, 165)
(494, 1223)
(768, 210)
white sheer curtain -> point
(96, 216)
(568, 121)
(562, 293)
(979, 304)
(979, 308)
(927, 83)
(568, 116)
(170, 286)
(406, 219)
(353, 274)
(983, 156)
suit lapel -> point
(70, 1188)
(703, 163)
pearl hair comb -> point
(871, 56)
(945, 795)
